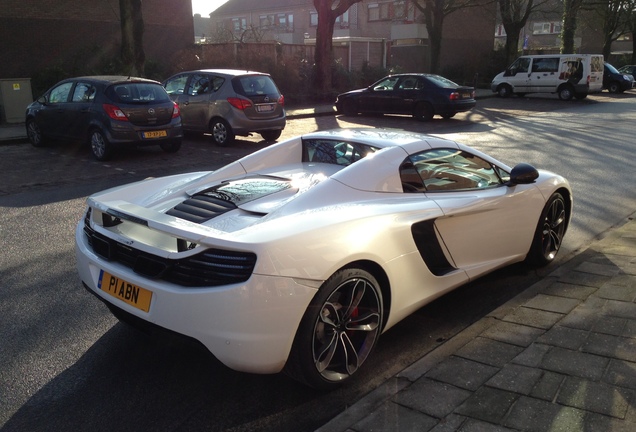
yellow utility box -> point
(15, 95)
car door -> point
(486, 223)
(409, 90)
(518, 74)
(80, 110)
(381, 97)
(180, 89)
(52, 116)
(195, 102)
(544, 74)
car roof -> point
(112, 79)
(228, 72)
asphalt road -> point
(67, 364)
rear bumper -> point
(124, 134)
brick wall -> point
(37, 34)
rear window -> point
(140, 93)
(254, 85)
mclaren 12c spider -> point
(297, 257)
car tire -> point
(614, 87)
(271, 135)
(222, 132)
(101, 148)
(504, 91)
(172, 146)
(349, 107)
(34, 133)
(338, 330)
(424, 111)
(566, 93)
(550, 232)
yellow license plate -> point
(125, 291)
(155, 134)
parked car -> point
(568, 75)
(226, 103)
(628, 70)
(297, 257)
(615, 81)
(107, 112)
(420, 95)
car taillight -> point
(454, 96)
(176, 112)
(239, 103)
(114, 112)
(281, 100)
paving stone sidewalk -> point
(561, 356)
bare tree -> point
(132, 31)
(631, 25)
(328, 11)
(434, 12)
(615, 16)
(571, 9)
(514, 15)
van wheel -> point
(504, 91)
(566, 93)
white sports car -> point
(297, 257)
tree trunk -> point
(323, 56)
(570, 11)
(132, 29)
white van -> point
(569, 75)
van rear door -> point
(596, 73)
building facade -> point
(71, 35)
(387, 33)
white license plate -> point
(265, 108)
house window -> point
(552, 27)
(280, 22)
(379, 11)
(342, 21)
(239, 24)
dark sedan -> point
(106, 112)
(420, 95)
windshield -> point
(138, 93)
(611, 68)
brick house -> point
(542, 33)
(388, 33)
(40, 34)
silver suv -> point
(227, 103)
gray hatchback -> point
(226, 103)
(107, 112)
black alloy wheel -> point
(550, 231)
(338, 331)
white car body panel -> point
(329, 217)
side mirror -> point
(42, 100)
(523, 174)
